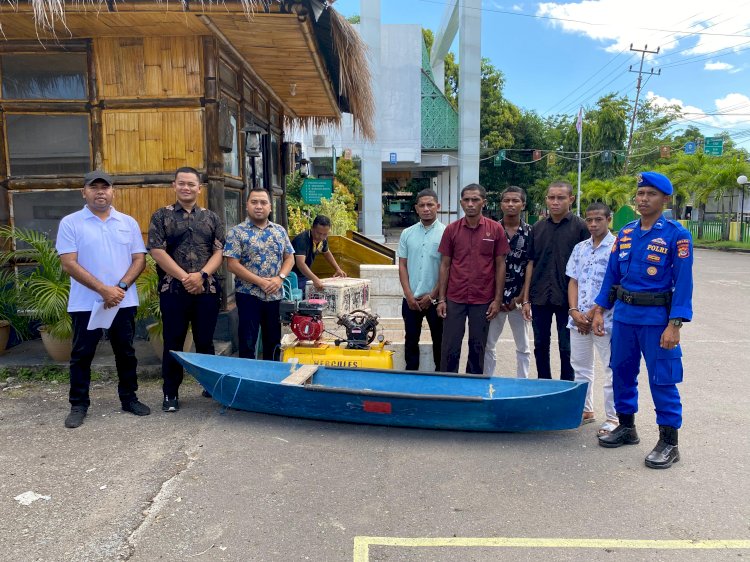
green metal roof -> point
(439, 117)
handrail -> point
(372, 245)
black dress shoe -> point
(75, 417)
(666, 453)
(136, 407)
(621, 435)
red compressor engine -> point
(305, 318)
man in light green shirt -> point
(418, 271)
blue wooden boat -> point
(398, 398)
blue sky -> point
(557, 56)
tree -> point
(609, 134)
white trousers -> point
(582, 361)
(520, 329)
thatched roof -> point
(341, 47)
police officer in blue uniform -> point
(650, 282)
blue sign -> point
(394, 158)
(690, 147)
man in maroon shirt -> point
(472, 279)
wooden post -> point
(214, 157)
(97, 157)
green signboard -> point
(713, 146)
(499, 157)
(313, 190)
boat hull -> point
(396, 398)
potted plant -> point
(9, 316)
(148, 308)
(42, 287)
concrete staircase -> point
(385, 300)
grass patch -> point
(722, 244)
(47, 373)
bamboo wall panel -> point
(141, 202)
(152, 140)
(148, 67)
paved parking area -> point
(206, 485)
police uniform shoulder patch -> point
(683, 250)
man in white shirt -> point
(103, 252)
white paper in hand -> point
(102, 317)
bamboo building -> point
(140, 88)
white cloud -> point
(517, 8)
(718, 66)
(617, 24)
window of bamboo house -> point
(54, 76)
(48, 144)
(42, 210)
(229, 136)
(232, 207)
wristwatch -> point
(123, 285)
(676, 322)
(204, 274)
(282, 275)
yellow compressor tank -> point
(330, 355)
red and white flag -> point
(579, 123)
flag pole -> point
(579, 126)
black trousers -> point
(453, 335)
(541, 322)
(413, 330)
(84, 348)
(255, 314)
(180, 309)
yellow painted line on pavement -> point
(362, 544)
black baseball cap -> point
(91, 177)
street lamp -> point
(742, 181)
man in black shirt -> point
(309, 244)
(546, 286)
(186, 242)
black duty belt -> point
(644, 299)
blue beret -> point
(654, 179)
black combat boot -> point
(665, 453)
(623, 434)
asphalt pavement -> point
(203, 484)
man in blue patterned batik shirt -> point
(586, 268)
(260, 255)
(650, 275)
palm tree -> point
(43, 287)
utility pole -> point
(643, 52)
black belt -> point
(644, 299)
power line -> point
(643, 52)
(553, 18)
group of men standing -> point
(473, 270)
(103, 252)
(573, 269)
